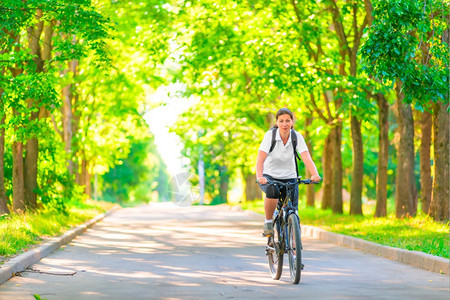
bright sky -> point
(161, 118)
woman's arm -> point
(260, 166)
(311, 166)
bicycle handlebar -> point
(302, 181)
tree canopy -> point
(360, 77)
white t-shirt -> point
(280, 162)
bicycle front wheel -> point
(295, 248)
(274, 253)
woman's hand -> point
(316, 178)
(262, 180)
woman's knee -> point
(272, 191)
(271, 199)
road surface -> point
(162, 251)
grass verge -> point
(420, 233)
(19, 232)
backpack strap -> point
(294, 143)
(294, 146)
(274, 133)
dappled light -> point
(202, 252)
(169, 110)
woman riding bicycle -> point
(277, 162)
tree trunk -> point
(383, 156)
(426, 124)
(327, 185)
(32, 145)
(358, 168)
(17, 146)
(30, 172)
(405, 192)
(224, 180)
(426, 183)
(270, 119)
(252, 190)
(439, 207)
(18, 182)
(67, 113)
(67, 123)
(383, 138)
(34, 34)
(310, 187)
(336, 202)
(75, 147)
(3, 200)
(358, 154)
(310, 192)
(85, 177)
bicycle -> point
(286, 236)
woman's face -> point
(284, 122)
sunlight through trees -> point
(367, 80)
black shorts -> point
(294, 195)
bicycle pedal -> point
(303, 266)
(266, 235)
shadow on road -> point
(168, 252)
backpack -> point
(294, 145)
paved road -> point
(167, 252)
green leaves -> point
(105, 76)
(405, 43)
(129, 180)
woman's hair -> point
(284, 111)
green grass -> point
(420, 233)
(19, 232)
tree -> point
(107, 104)
(426, 183)
(310, 195)
(327, 175)
(3, 199)
(137, 176)
(439, 206)
(350, 49)
(383, 155)
(314, 29)
(405, 188)
(33, 93)
(210, 141)
(60, 33)
(41, 55)
(410, 35)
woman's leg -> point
(269, 207)
(270, 203)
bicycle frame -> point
(287, 235)
(283, 210)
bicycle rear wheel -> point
(295, 248)
(274, 253)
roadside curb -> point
(23, 261)
(414, 258)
